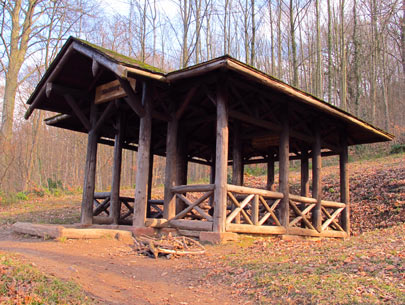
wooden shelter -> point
(221, 113)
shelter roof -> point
(256, 99)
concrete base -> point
(137, 231)
(218, 238)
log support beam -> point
(316, 179)
(116, 173)
(86, 217)
(284, 149)
(270, 172)
(221, 160)
(344, 185)
(145, 132)
(304, 174)
(237, 164)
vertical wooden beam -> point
(86, 217)
(255, 210)
(304, 174)
(171, 161)
(212, 181)
(221, 160)
(270, 172)
(316, 179)
(150, 183)
(237, 165)
(145, 132)
(344, 184)
(115, 203)
(181, 166)
(284, 150)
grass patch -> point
(23, 284)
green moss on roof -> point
(121, 58)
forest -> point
(350, 53)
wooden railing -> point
(185, 219)
(253, 210)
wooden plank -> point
(239, 209)
(111, 91)
(196, 225)
(116, 171)
(344, 183)
(316, 179)
(304, 212)
(221, 159)
(304, 219)
(284, 150)
(250, 229)
(86, 216)
(102, 207)
(249, 190)
(192, 188)
(334, 222)
(141, 188)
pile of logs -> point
(168, 246)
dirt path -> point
(110, 272)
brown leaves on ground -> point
(377, 190)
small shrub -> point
(21, 196)
(397, 148)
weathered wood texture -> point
(145, 131)
(270, 173)
(116, 172)
(304, 174)
(90, 172)
(171, 172)
(221, 161)
(284, 150)
(316, 179)
(344, 185)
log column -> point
(221, 162)
(344, 184)
(86, 217)
(284, 151)
(316, 179)
(116, 174)
(150, 183)
(304, 174)
(181, 165)
(170, 172)
(237, 165)
(270, 172)
(145, 132)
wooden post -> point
(316, 180)
(284, 151)
(181, 165)
(170, 172)
(145, 132)
(304, 174)
(221, 162)
(270, 172)
(150, 183)
(212, 181)
(344, 184)
(255, 210)
(115, 203)
(237, 165)
(86, 217)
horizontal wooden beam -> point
(192, 188)
(252, 229)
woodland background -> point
(351, 53)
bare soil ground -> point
(110, 272)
